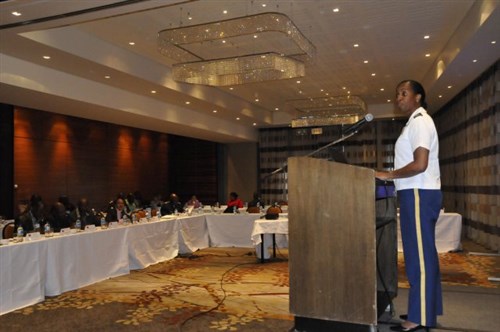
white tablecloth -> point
(230, 230)
(448, 233)
(77, 260)
(267, 228)
(193, 234)
(151, 243)
(29, 271)
(22, 275)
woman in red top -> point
(234, 203)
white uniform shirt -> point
(418, 132)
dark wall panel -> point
(61, 155)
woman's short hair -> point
(418, 89)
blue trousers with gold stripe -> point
(419, 211)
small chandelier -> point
(241, 50)
(327, 111)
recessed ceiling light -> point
(440, 96)
(300, 91)
(257, 100)
(381, 89)
(366, 61)
(231, 88)
(46, 57)
(188, 102)
(16, 13)
(336, 10)
(427, 37)
(298, 82)
(327, 94)
(237, 118)
(449, 86)
(373, 74)
(428, 55)
(107, 76)
(475, 60)
(255, 123)
(356, 45)
(131, 43)
(215, 111)
(153, 91)
(263, 5)
(348, 92)
(223, 41)
(343, 88)
(255, 36)
(276, 108)
(493, 41)
(388, 100)
(321, 90)
(224, 12)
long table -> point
(29, 271)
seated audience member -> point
(58, 218)
(139, 200)
(69, 207)
(130, 203)
(83, 212)
(25, 218)
(156, 202)
(234, 203)
(117, 212)
(37, 208)
(171, 205)
(194, 202)
(256, 202)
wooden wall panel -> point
(60, 155)
(193, 169)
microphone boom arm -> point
(285, 164)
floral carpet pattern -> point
(217, 289)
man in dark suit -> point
(171, 206)
(117, 211)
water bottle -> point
(46, 229)
(78, 224)
(103, 223)
(36, 226)
(134, 219)
(20, 232)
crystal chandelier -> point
(327, 111)
(241, 50)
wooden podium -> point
(332, 246)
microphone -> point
(355, 127)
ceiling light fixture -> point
(198, 62)
(336, 10)
(328, 111)
(131, 43)
(16, 13)
(46, 57)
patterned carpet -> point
(218, 289)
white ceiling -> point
(85, 45)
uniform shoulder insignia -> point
(417, 115)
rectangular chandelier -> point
(328, 111)
(241, 50)
(240, 70)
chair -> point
(8, 231)
(253, 209)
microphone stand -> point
(343, 138)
